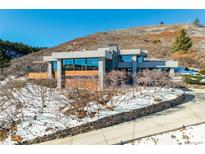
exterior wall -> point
(130, 52)
(90, 84)
(86, 83)
(81, 73)
(41, 75)
(60, 81)
(44, 75)
(101, 73)
(153, 64)
(171, 72)
(149, 64)
(134, 69)
(125, 65)
(50, 71)
(82, 54)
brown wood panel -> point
(81, 73)
(75, 82)
(39, 75)
(91, 84)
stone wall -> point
(109, 121)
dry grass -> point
(156, 39)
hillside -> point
(15, 50)
(12, 50)
(156, 39)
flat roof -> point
(38, 62)
(48, 58)
(99, 53)
(82, 54)
(78, 54)
(130, 52)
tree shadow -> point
(188, 98)
(186, 89)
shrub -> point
(190, 79)
(116, 79)
(188, 59)
(16, 84)
(3, 134)
(50, 83)
(157, 99)
(202, 72)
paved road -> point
(193, 111)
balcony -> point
(157, 64)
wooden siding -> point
(39, 75)
(85, 83)
(90, 84)
(82, 73)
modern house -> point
(86, 65)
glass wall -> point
(54, 65)
(92, 63)
(126, 58)
(80, 64)
(108, 65)
(140, 59)
(68, 64)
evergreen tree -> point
(4, 62)
(19, 47)
(182, 41)
(196, 22)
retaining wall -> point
(109, 121)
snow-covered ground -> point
(40, 113)
(189, 135)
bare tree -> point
(24, 101)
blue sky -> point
(52, 27)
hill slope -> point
(156, 39)
(15, 50)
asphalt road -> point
(191, 112)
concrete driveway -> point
(191, 112)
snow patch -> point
(38, 121)
(188, 135)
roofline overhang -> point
(130, 52)
(80, 54)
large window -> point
(54, 65)
(80, 64)
(126, 58)
(108, 65)
(68, 64)
(92, 63)
(140, 59)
